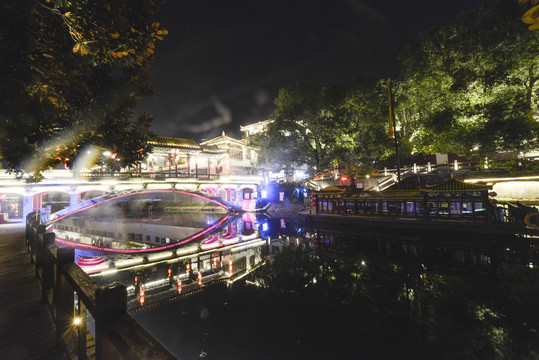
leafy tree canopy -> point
(531, 16)
(72, 74)
(471, 86)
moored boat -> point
(453, 206)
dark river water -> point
(324, 294)
(268, 288)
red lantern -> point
(199, 279)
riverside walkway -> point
(27, 329)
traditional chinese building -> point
(177, 157)
(240, 157)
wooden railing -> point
(116, 334)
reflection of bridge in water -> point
(224, 255)
(163, 257)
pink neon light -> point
(210, 240)
(248, 217)
(90, 262)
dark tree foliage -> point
(72, 74)
(327, 126)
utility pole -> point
(394, 131)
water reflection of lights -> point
(249, 245)
(247, 272)
(194, 237)
(109, 272)
(128, 262)
(160, 256)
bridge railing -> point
(146, 175)
(116, 335)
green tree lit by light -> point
(472, 85)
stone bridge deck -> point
(27, 329)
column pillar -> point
(27, 204)
(111, 303)
(238, 196)
(74, 196)
(196, 166)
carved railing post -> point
(111, 303)
(37, 248)
(64, 298)
(47, 272)
(82, 329)
(29, 229)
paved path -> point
(27, 329)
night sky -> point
(224, 61)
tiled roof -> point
(456, 185)
(390, 194)
(223, 139)
(330, 189)
(213, 149)
(172, 142)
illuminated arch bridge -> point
(18, 199)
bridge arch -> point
(57, 200)
(33, 193)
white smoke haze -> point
(224, 118)
(87, 157)
(47, 151)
